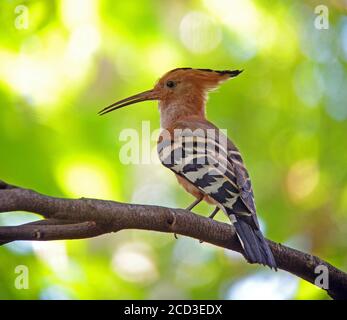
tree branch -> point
(86, 218)
(51, 232)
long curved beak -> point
(143, 96)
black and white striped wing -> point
(245, 206)
(207, 163)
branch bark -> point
(86, 218)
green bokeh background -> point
(287, 113)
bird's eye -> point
(170, 84)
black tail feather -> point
(256, 248)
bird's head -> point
(179, 85)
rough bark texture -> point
(86, 218)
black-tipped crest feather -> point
(231, 73)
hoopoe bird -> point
(206, 163)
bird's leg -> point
(194, 204)
(211, 216)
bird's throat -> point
(172, 112)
